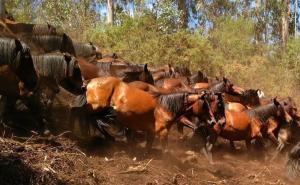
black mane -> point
(9, 54)
(174, 103)
(54, 66)
(262, 113)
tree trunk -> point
(2, 9)
(110, 12)
(184, 13)
(295, 17)
(285, 22)
(258, 26)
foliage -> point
(227, 38)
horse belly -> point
(234, 135)
(142, 122)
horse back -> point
(131, 99)
(99, 92)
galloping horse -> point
(153, 115)
(246, 125)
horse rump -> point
(293, 164)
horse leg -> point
(232, 146)
(282, 139)
(163, 136)
(248, 144)
(180, 129)
(208, 147)
(150, 138)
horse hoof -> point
(47, 132)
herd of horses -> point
(116, 98)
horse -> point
(248, 97)
(224, 86)
(26, 29)
(54, 70)
(59, 69)
(154, 116)
(17, 67)
(184, 82)
(43, 36)
(127, 73)
(293, 164)
(86, 50)
(246, 125)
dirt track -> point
(61, 162)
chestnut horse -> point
(245, 125)
(137, 109)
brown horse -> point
(155, 116)
(224, 86)
(126, 72)
(249, 98)
(246, 125)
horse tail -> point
(79, 101)
(108, 124)
(293, 163)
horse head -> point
(281, 112)
(24, 66)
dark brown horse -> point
(15, 59)
(86, 50)
(246, 125)
(42, 38)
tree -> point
(285, 22)
(110, 12)
(182, 6)
(2, 9)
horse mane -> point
(217, 87)
(183, 71)
(52, 65)
(174, 102)
(49, 42)
(104, 66)
(84, 49)
(8, 53)
(262, 113)
(43, 29)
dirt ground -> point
(61, 159)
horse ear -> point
(18, 44)
(275, 101)
(146, 67)
(67, 56)
(225, 80)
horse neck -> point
(159, 75)
(232, 98)
(263, 113)
(88, 70)
(218, 87)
